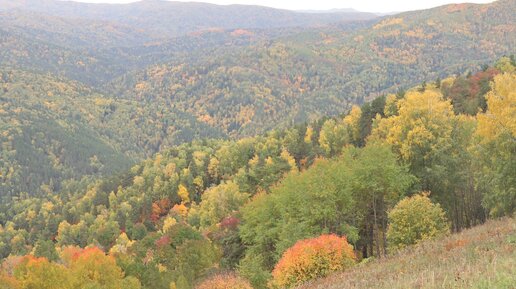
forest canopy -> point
(163, 145)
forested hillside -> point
(324, 71)
(192, 213)
(95, 51)
(134, 90)
(171, 145)
(54, 129)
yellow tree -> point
(391, 107)
(432, 140)
(424, 122)
(333, 137)
(497, 147)
(500, 117)
(309, 134)
(91, 268)
(415, 219)
(122, 244)
(8, 282)
(352, 120)
(219, 202)
(41, 274)
(285, 155)
(182, 192)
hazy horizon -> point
(377, 6)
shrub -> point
(415, 219)
(7, 282)
(225, 281)
(312, 258)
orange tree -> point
(312, 258)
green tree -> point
(432, 140)
(303, 205)
(219, 202)
(105, 232)
(333, 137)
(415, 219)
(47, 249)
(378, 182)
(497, 147)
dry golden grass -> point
(480, 257)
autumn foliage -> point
(415, 219)
(312, 258)
(92, 266)
(224, 281)
(7, 282)
(78, 268)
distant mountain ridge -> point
(170, 19)
(334, 10)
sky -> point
(362, 5)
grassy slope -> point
(481, 257)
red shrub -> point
(163, 241)
(229, 223)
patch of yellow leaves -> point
(389, 22)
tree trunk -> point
(384, 229)
(375, 230)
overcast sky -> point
(362, 5)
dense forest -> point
(213, 206)
(117, 95)
(244, 146)
(323, 72)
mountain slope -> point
(96, 52)
(71, 32)
(323, 71)
(43, 138)
(201, 192)
(54, 129)
(169, 19)
(137, 99)
(480, 257)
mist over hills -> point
(168, 18)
